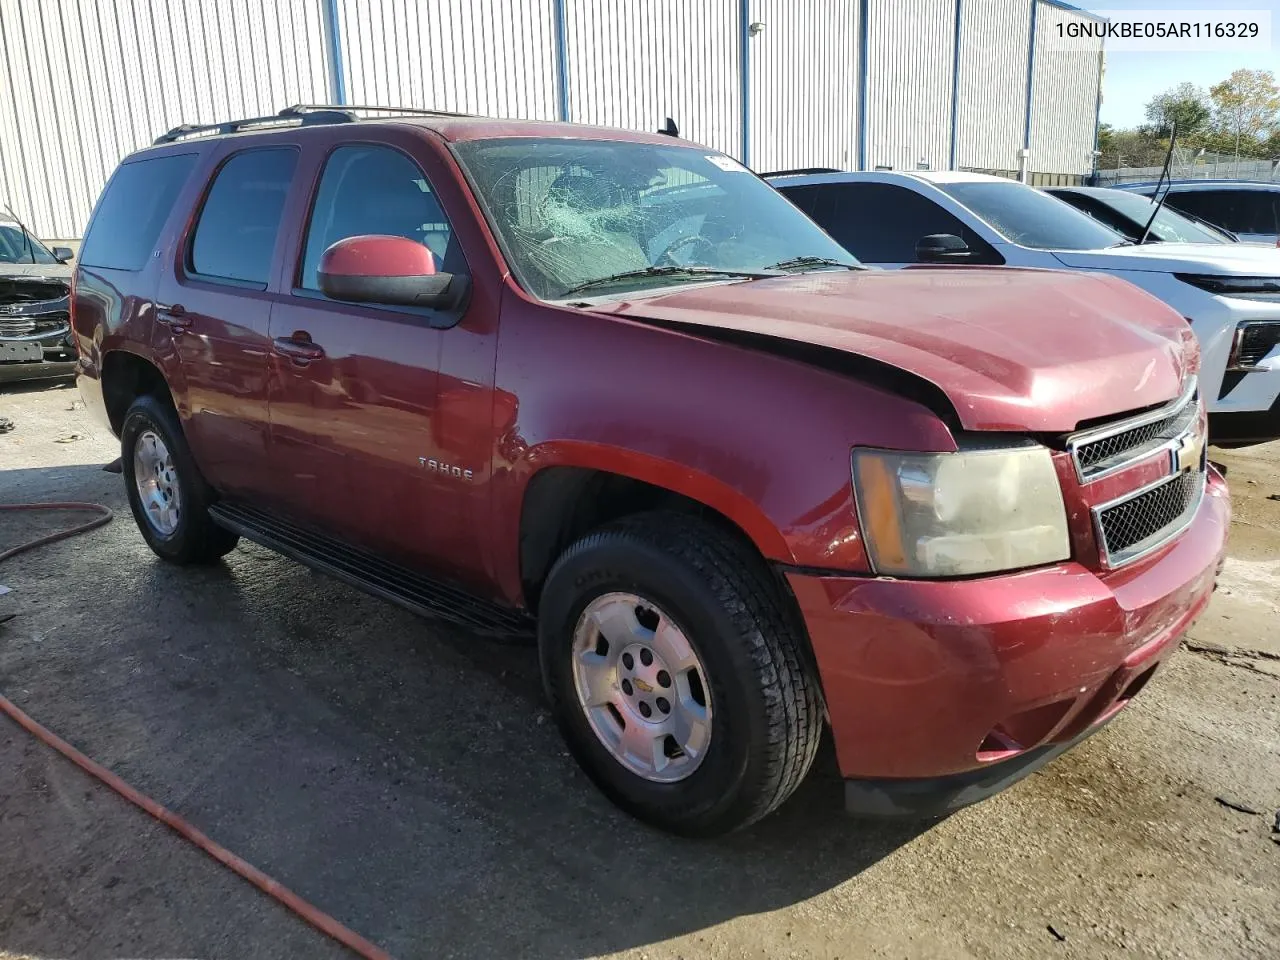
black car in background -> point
(1248, 208)
(1128, 213)
(35, 329)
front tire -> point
(678, 673)
(169, 497)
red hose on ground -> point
(317, 918)
(104, 517)
(314, 916)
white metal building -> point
(853, 84)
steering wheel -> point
(697, 244)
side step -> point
(423, 595)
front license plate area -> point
(16, 351)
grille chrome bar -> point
(1132, 526)
(1110, 448)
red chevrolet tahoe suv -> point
(613, 387)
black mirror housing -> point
(942, 248)
(63, 253)
(435, 291)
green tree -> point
(1106, 138)
(1186, 105)
(1246, 105)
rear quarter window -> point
(133, 210)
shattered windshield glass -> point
(601, 217)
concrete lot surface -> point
(405, 778)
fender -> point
(762, 439)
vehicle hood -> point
(54, 271)
(33, 288)
(1012, 349)
(1225, 259)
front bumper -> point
(941, 693)
(1243, 428)
(48, 352)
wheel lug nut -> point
(663, 705)
(645, 710)
(646, 657)
(626, 687)
(627, 661)
(664, 679)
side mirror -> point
(391, 271)
(942, 248)
(63, 253)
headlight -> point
(958, 514)
(1246, 288)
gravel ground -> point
(404, 777)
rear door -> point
(360, 423)
(213, 309)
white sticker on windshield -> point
(724, 163)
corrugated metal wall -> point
(84, 83)
(992, 106)
(1064, 98)
(804, 71)
(909, 95)
(495, 57)
(631, 63)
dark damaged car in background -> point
(35, 285)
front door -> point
(356, 398)
(881, 223)
(213, 310)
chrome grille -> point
(34, 328)
(1114, 446)
(1144, 520)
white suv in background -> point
(1230, 292)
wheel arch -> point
(575, 488)
(125, 376)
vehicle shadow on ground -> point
(399, 773)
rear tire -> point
(760, 700)
(167, 494)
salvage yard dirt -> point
(405, 778)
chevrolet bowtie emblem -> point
(1188, 453)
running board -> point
(420, 594)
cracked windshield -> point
(602, 218)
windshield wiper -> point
(796, 263)
(665, 271)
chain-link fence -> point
(1192, 164)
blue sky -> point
(1133, 78)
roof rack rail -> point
(310, 108)
(298, 115)
(801, 171)
(283, 119)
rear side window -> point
(236, 233)
(881, 222)
(1240, 211)
(132, 211)
(369, 189)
